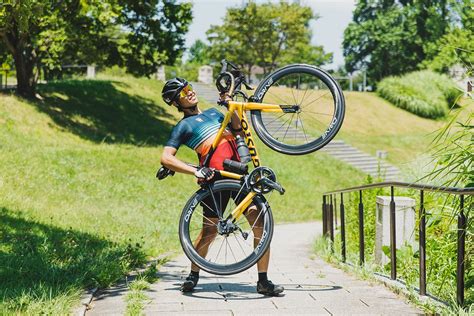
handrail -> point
(425, 187)
(329, 216)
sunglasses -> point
(184, 92)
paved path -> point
(336, 148)
(311, 287)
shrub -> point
(424, 93)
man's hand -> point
(224, 97)
(204, 173)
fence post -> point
(393, 238)
(422, 244)
(323, 209)
(461, 251)
(331, 222)
(361, 230)
(343, 230)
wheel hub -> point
(225, 227)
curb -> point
(88, 297)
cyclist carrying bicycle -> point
(197, 130)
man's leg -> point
(205, 238)
(201, 244)
(264, 286)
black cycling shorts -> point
(213, 209)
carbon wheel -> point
(219, 246)
(314, 109)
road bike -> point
(227, 225)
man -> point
(197, 130)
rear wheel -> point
(313, 106)
(219, 246)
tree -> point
(390, 37)
(457, 46)
(139, 35)
(266, 35)
(199, 53)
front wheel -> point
(313, 106)
(224, 247)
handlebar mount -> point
(230, 79)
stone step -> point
(350, 155)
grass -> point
(424, 93)
(79, 202)
(372, 123)
(441, 241)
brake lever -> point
(248, 87)
(163, 172)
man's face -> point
(188, 97)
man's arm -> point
(169, 160)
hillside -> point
(371, 124)
(79, 201)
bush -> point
(424, 93)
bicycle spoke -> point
(214, 211)
(268, 123)
(282, 125)
(238, 242)
(288, 126)
(316, 99)
(298, 88)
(318, 113)
(231, 251)
(304, 132)
(284, 101)
(220, 248)
(325, 126)
(214, 200)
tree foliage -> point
(266, 35)
(392, 37)
(199, 53)
(139, 35)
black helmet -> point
(172, 89)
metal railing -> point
(330, 221)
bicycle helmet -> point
(172, 89)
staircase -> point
(336, 148)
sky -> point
(328, 30)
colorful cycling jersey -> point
(193, 130)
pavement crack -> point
(327, 311)
(311, 295)
(364, 302)
(274, 304)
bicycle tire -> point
(326, 116)
(187, 231)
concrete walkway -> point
(311, 287)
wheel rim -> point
(232, 249)
(315, 120)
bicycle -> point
(234, 225)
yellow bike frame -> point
(240, 108)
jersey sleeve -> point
(179, 135)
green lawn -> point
(371, 124)
(79, 204)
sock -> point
(262, 277)
(194, 273)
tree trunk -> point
(26, 85)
